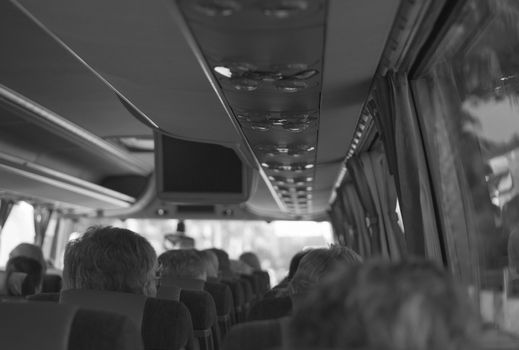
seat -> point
(222, 297)
(258, 335)
(238, 296)
(250, 298)
(29, 326)
(271, 308)
(12, 286)
(264, 278)
(51, 283)
(203, 314)
(47, 297)
(164, 324)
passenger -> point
(251, 259)
(281, 288)
(393, 306)
(210, 261)
(224, 264)
(183, 269)
(314, 266)
(26, 258)
(110, 259)
(238, 267)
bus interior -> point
(387, 126)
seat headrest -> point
(182, 283)
(102, 330)
(12, 286)
(166, 325)
(46, 297)
(201, 306)
(257, 335)
(51, 283)
(28, 326)
(222, 296)
(130, 305)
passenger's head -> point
(317, 263)
(210, 261)
(241, 268)
(392, 306)
(294, 263)
(111, 259)
(28, 258)
(182, 263)
(224, 264)
(251, 259)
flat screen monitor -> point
(196, 172)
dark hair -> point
(112, 259)
(251, 259)
(294, 263)
(210, 261)
(224, 264)
(405, 306)
(317, 263)
(33, 281)
(182, 263)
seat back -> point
(271, 308)
(203, 315)
(250, 298)
(47, 297)
(222, 297)
(12, 285)
(259, 335)
(264, 279)
(51, 283)
(28, 326)
(238, 298)
(164, 324)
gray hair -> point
(317, 263)
(111, 259)
(210, 261)
(411, 305)
(183, 263)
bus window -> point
(275, 243)
(18, 228)
(468, 101)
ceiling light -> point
(285, 9)
(224, 71)
(217, 7)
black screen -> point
(193, 167)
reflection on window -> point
(475, 98)
(19, 228)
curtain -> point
(41, 218)
(349, 223)
(5, 209)
(352, 199)
(383, 193)
(394, 112)
(354, 166)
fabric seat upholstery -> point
(258, 335)
(223, 300)
(164, 324)
(203, 314)
(51, 283)
(238, 298)
(26, 326)
(271, 308)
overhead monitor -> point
(196, 172)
